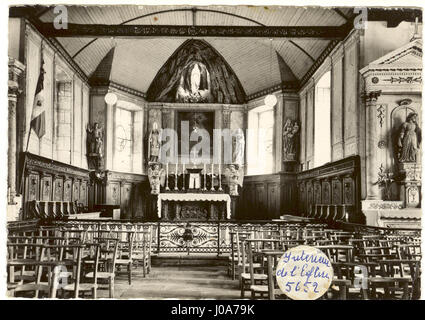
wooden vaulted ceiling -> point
(259, 63)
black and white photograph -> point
(201, 151)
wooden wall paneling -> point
(310, 195)
(46, 188)
(288, 194)
(348, 190)
(336, 191)
(326, 191)
(273, 200)
(33, 183)
(302, 198)
(58, 188)
(54, 181)
(317, 192)
(67, 189)
(337, 182)
(76, 190)
(84, 193)
(260, 190)
(126, 189)
(113, 195)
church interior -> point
(204, 141)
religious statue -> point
(290, 133)
(95, 145)
(194, 83)
(239, 149)
(156, 177)
(409, 139)
(233, 179)
(154, 144)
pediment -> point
(407, 56)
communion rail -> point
(206, 237)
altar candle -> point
(177, 169)
(212, 168)
(167, 170)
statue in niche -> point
(154, 145)
(409, 139)
(290, 133)
(156, 177)
(239, 147)
(194, 83)
(95, 145)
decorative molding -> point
(38, 163)
(381, 114)
(126, 89)
(404, 79)
(286, 85)
(105, 30)
(381, 205)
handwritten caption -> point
(304, 273)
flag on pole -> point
(38, 117)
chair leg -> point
(144, 267)
(129, 267)
(242, 285)
(111, 288)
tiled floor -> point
(179, 282)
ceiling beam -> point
(171, 31)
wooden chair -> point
(245, 276)
(125, 251)
(80, 282)
(142, 252)
(107, 261)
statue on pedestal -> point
(239, 149)
(409, 139)
(156, 177)
(290, 133)
(408, 143)
(154, 146)
(95, 146)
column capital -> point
(16, 68)
(372, 96)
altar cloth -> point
(194, 197)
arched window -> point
(322, 121)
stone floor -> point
(177, 282)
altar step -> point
(194, 259)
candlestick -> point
(212, 177)
(183, 176)
(205, 177)
(175, 184)
(219, 178)
(166, 172)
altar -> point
(193, 206)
